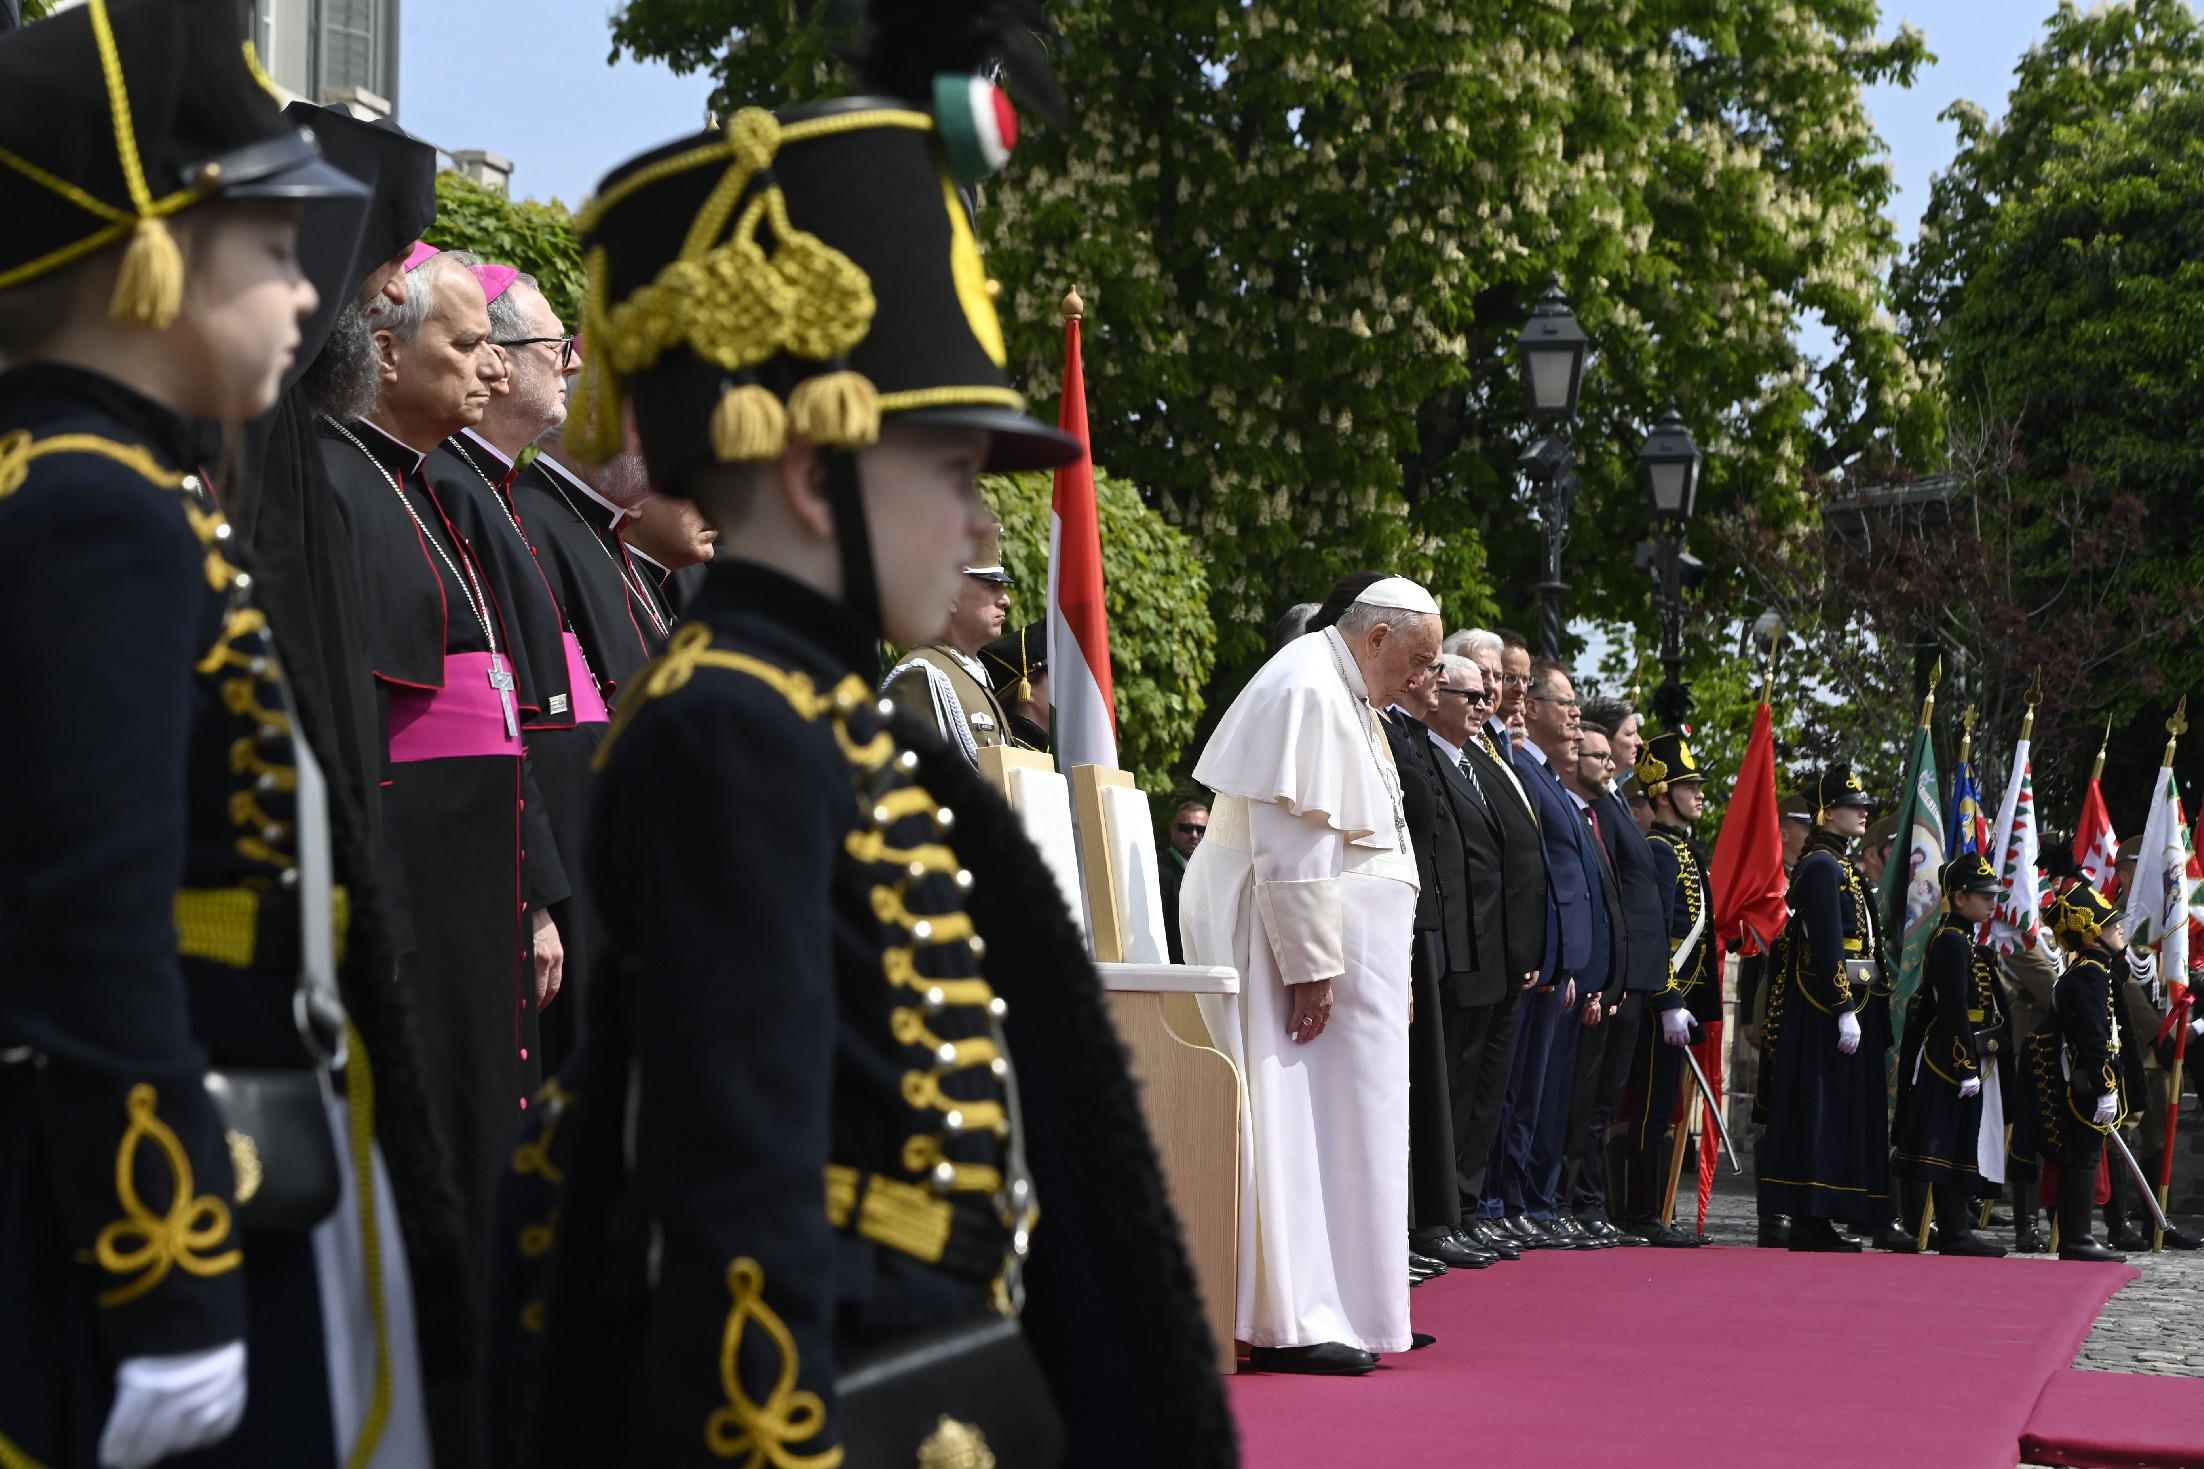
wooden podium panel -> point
(1190, 1094)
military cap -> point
(2077, 913)
(1666, 761)
(1633, 789)
(1013, 659)
(987, 560)
(1882, 833)
(1795, 808)
(1838, 785)
(811, 271)
(117, 115)
(1969, 872)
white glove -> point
(1848, 1032)
(2196, 1026)
(171, 1405)
(1971, 1087)
(2108, 1106)
(1676, 1026)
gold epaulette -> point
(691, 648)
(18, 450)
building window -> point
(351, 45)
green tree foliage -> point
(536, 238)
(1309, 233)
(1162, 642)
(2058, 274)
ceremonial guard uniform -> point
(2072, 1065)
(1949, 1132)
(1694, 990)
(165, 1266)
(943, 686)
(850, 1087)
(1826, 1154)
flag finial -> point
(1775, 646)
(2097, 771)
(1966, 735)
(2175, 728)
(1928, 704)
(2035, 697)
(1074, 308)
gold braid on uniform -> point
(734, 306)
(1687, 872)
(149, 1245)
(760, 1433)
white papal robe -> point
(1306, 874)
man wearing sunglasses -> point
(1189, 824)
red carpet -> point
(2114, 1420)
(1699, 1358)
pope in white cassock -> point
(1306, 884)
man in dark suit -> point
(1522, 1183)
(1496, 925)
(1641, 967)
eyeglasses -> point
(566, 347)
(1516, 680)
(1556, 699)
(1602, 756)
(1474, 700)
(1191, 828)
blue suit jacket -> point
(1570, 896)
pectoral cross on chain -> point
(501, 679)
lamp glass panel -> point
(1551, 368)
(1670, 481)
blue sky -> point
(527, 78)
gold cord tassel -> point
(150, 290)
(749, 425)
(836, 410)
(1021, 692)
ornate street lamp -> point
(1553, 347)
(1671, 463)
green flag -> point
(1911, 896)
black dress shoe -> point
(2028, 1240)
(1577, 1235)
(1775, 1231)
(1425, 1265)
(1895, 1237)
(1418, 1340)
(1657, 1233)
(1967, 1242)
(1516, 1227)
(1481, 1231)
(2127, 1237)
(1819, 1237)
(2088, 1249)
(1436, 1242)
(2178, 1238)
(1603, 1230)
(1536, 1234)
(1325, 1359)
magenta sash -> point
(464, 717)
(589, 705)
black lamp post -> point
(1671, 463)
(1553, 348)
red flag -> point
(1078, 613)
(1748, 878)
(1709, 1052)
(2096, 847)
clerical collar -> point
(391, 446)
(650, 561)
(619, 513)
(1355, 684)
(1453, 752)
(486, 447)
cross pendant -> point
(501, 679)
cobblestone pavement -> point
(2155, 1324)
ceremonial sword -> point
(2150, 1195)
(1707, 1093)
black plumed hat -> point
(1666, 761)
(810, 271)
(117, 115)
(1839, 785)
(1969, 872)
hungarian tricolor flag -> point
(1078, 614)
(2096, 844)
(1911, 895)
(1747, 875)
(2158, 907)
(2017, 924)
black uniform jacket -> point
(1442, 908)
(1645, 897)
(2073, 1058)
(791, 1140)
(1935, 1130)
(1694, 979)
(147, 918)
(1480, 975)
(1523, 874)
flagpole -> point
(1895, 878)
(2175, 728)
(1775, 646)
(2097, 771)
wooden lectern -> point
(1189, 1091)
